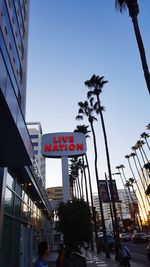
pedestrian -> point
(74, 258)
(61, 256)
(124, 256)
(43, 253)
(86, 247)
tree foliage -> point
(75, 222)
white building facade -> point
(35, 131)
(122, 207)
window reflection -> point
(8, 201)
(10, 181)
(17, 207)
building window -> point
(34, 136)
(8, 201)
(17, 206)
(6, 239)
(35, 143)
(10, 181)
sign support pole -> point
(65, 179)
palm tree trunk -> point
(92, 203)
(75, 189)
(144, 162)
(141, 51)
(141, 178)
(140, 165)
(72, 195)
(85, 179)
(137, 186)
(82, 194)
(131, 197)
(128, 199)
(79, 187)
(144, 153)
(139, 204)
(147, 143)
(99, 196)
(87, 197)
(110, 179)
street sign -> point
(57, 145)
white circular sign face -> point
(57, 145)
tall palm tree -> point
(86, 109)
(128, 185)
(121, 167)
(145, 135)
(138, 187)
(133, 8)
(133, 155)
(128, 189)
(83, 174)
(148, 126)
(135, 148)
(84, 129)
(95, 85)
(140, 144)
(144, 157)
(74, 172)
(131, 182)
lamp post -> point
(113, 211)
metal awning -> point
(15, 144)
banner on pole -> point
(103, 189)
(115, 191)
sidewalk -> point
(94, 260)
(99, 260)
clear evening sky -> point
(70, 40)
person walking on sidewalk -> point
(86, 247)
(124, 256)
(43, 252)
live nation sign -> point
(66, 144)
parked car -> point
(110, 241)
(146, 239)
(125, 237)
(137, 238)
(148, 251)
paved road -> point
(138, 254)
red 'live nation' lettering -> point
(63, 147)
(63, 139)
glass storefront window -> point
(17, 207)
(8, 201)
(10, 181)
(25, 211)
(6, 239)
(18, 189)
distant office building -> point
(122, 207)
(55, 193)
(24, 207)
(35, 131)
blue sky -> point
(69, 41)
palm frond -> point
(90, 94)
(120, 5)
(94, 118)
(79, 117)
(81, 104)
(96, 106)
(80, 111)
(91, 102)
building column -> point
(3, 173)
